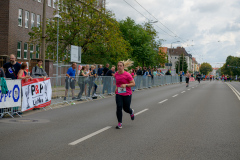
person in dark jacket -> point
(168, 73)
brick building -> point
(17, 17)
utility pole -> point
(43, 32)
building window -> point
(26, 19)
(37, 51)
(38, 20)
(20, 11)
(19, 49)
(25, 50)
(31, 50)
(54, 3)
(49, 3)
(32, 20)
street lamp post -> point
(57, 16)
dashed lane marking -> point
(163, 101)
(175, 95)
(183, 91)
(89, 136)
(140, 112)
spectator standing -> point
(87, 79)
(70, 80)
(105, 79)
(12, 68)
(38, 70)
(134, 76)
(100, 71)
(181, 76)
(81, 82)
(105, 70)
(139, 76)
(168, 72)
(92, 76)
(110, 73)
(2, 74)
(22, 74)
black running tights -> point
(123, 102)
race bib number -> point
(121, 90)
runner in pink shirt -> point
(124, 82)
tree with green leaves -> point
(183, 64)
(232, 66)
(205, 68)
(83, 24)
(143, 41)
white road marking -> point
(140, 112)
(234, 90)
(183, 91)
(175, 95)
(89, 136)
(189, 89)
(163, 101)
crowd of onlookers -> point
(15, 70)
(86, 78)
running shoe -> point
(132, 115)
(119, 126)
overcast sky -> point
(208, 29)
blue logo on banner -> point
(16, 93)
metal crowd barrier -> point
(10, 110)
(66, 90)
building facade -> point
(17, 18)
(175, 53)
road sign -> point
(76, 54)
(168, 64)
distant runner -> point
(199, 77)
(187, 78)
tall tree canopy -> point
(143, 40)
(205, 68)
(83, 24)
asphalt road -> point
(172, 122)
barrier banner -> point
(13, 97)
(37, 93)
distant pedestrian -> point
(70, 80)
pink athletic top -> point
(23, 75)
(124, 78)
